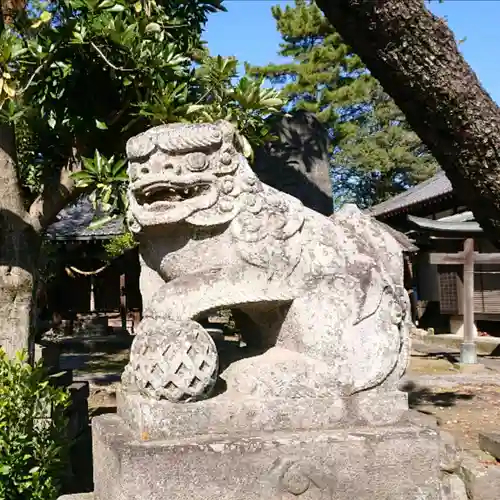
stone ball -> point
(176, 361)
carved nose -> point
(172, 169)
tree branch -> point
(58, 192)
(106, 60)
(416, 59)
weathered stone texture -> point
(388, 463)
(326, 295)
(482, 481)
(490, 443)
(312, 406)
(225, 415)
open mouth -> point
(158, 193)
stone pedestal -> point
(242, 450)
(400, 462)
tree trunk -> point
(20, 239)
(18, 246)
(416, 59)
(20, 229)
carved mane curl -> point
(174, 138)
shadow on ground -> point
(418, 396)
(447, 356)
(495, 353)
(105, 379)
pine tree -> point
(374, 153)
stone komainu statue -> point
(324, 296)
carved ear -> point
(271, 238)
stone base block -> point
(490, 443)
(227, 415)
(78, 496)
(482, 480)
(364, 463)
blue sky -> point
(248, 32)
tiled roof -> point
(432, 188)
(73, 224)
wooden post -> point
(92, 294)
(467, 258)
(410, 285)
(123, 301)
(468, 354)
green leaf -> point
(106, 195)
(101, 125)
(105, 4)
(82, 179)
(45, 17)
(121, 177)
(119, 165)
(5, 470)
(51, 122)
(246, 147)
(194, 108)
(82, 175)
(89, 165)
(116, 8)
(100, 222)
(98, 161)
(271, 102)
(152, 27)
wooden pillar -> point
(123, 301)
(410, 288)
(92, 294)
(468, 354)
(467, 258)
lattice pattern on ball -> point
(177, 361)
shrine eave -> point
(445, 226)
(430, 193)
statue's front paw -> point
(172, 360)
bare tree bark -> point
(17, 253)
(10, 8)
(20, 239)
(59, 190)
(416, 59)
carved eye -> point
(196, 162)
(226, 158)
